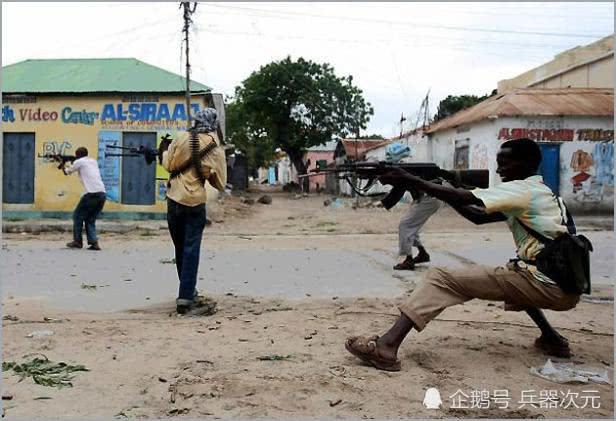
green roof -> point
(91, 75)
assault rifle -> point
(371, 171)
(61, 159)
(149, 154)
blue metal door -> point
(138, 177)
(18, 168)
(550, 165)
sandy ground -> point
(147, 362)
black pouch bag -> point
(565, 259)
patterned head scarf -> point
(206, 120)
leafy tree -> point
(454, 103)
(372, 136)
(295, 105)
(253, 142)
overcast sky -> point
(396, 52)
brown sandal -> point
(554, 349)
(364, 348)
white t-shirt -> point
(89, 174)
(533, 203)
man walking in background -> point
(91, 203)
(421, 209)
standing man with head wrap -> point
(192, 159)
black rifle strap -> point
(195, 158)
(194, 155)
(569, 223)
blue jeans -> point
(186, 225)
(87, 210)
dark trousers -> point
(186, 225)
(86, 212)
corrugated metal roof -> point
(91, 75)
(535, 102)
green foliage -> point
(454, 103)
(252, 141)
(372, 136)
(293, 105)
(45, 372)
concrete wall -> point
(591, 139)
(61, 124)
(315, 156)
(589, 66)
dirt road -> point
(275, 348)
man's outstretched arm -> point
(478, 216)
(452, 196)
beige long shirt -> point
(186, 188)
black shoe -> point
(201, 307)
(94, 246)
(407, 264)
(422, 257)
(74, 245)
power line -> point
(408, 23)
(285, 37)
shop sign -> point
(145, 112)
(30, 114)
(557, 135)
(78, 117)
(8, 114)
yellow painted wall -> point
(53, 191)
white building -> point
(574, 127)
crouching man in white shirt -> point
(91, 203)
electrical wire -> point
(407, 23)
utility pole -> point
(188, 11)
(402, 120)
(426, 121)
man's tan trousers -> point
(442, 288)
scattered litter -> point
(167, 261)
(7, 397)
(40, 334)
(128, 280)
(178, 411)
(265, 199)
(10, 317)
(336, 203)
(597, 300)
(40, 398)
(52, 320)
(90, 287)
(334, 403)
(570, 373)
(432, 400)
(274, 357)
(162, 380)
(244, 237)
(45, 372)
